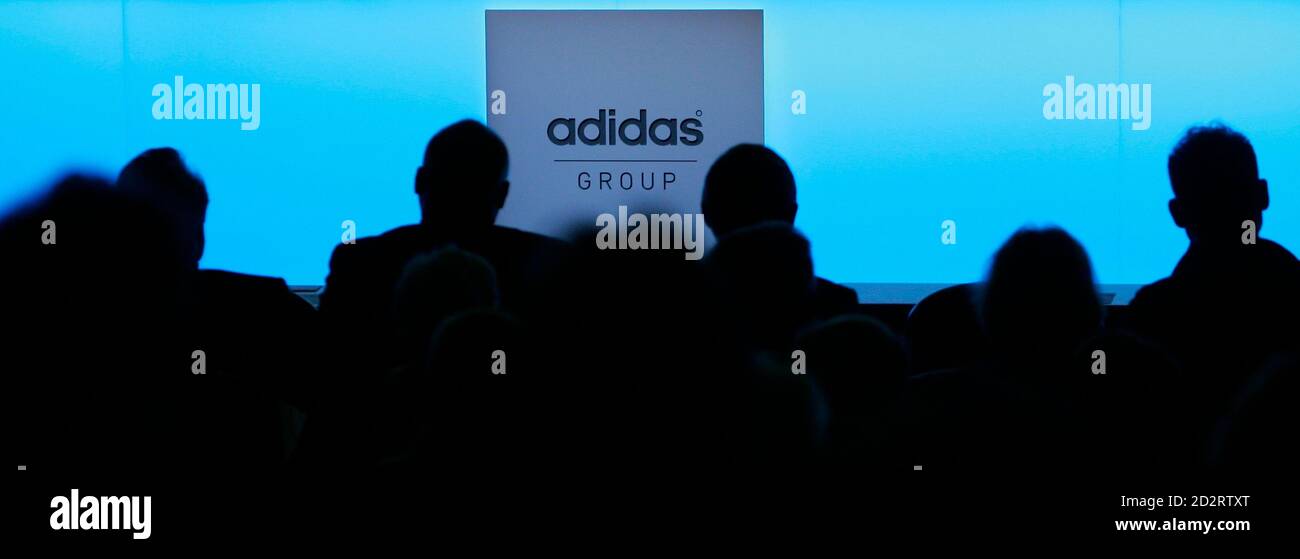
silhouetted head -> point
(747, 185)
(82, 257)
(435, 286)
(1039, 302)
(763, 278)
(1216, 184)
(160, 178)
(857, 360)
(93, 286)
(462, 183)
(473, 392)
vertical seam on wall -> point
(1119, 59)
(1119, 132)
(126, 83)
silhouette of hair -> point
(463, 178)
(747, 185)
(1216, 184)
(160, 178)
(1210, 161)
(1040, 300)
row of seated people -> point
(456, 342)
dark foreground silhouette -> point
(459, 373)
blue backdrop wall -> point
(917, 112)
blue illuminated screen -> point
(916, 112)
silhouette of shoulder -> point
(403, 242)
(1220, 314)
(830, 298)
(369, 267)
(234, 283)
(265, 297)
(364, 273)
(256, 317)
(1266, 265)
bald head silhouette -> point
(748, 185)
(462, 182)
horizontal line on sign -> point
(627, 160)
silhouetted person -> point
(94, 372)
(474, 396)
(666, 383)
(1232, 299)
(860, 366)
(251, 328)
(762, 278)
(1039, 302)
(461, 185)
(751, 184)
(97, 373)
(1038, 306)
(160, 178)
(436, 286)
(761, 289)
